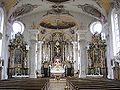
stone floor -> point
(57, 84)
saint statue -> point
(57, 48)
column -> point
(33, 53)
(75, 57)
(83, 59)
(39, 57)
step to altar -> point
(57, 84)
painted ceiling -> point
(58, 22)
(93, 8)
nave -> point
(59, 44)
(70, 83)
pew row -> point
(92, 84)
(25, 84)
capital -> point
(33, 34)
(34, 31)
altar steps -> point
(24, 84)
(92, 84)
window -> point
(96, 27)
(1, 27)
(115, 32)
(18, 27)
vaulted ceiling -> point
(93, 8)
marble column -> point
(39, 57)
(33, 53)
(75, 57)
(83, 59)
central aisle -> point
(57, 84)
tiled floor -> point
(57, 84)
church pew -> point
(98, 84)
(38, 84)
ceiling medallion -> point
(58, 1)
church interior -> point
(59, 44)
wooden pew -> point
(89, 84)
(25, 84)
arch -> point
(42, 39)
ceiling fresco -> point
(58, 22)
(17, 8)
(57, 10)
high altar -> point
(55, 52)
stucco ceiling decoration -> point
(92, 11)
(25, 8)
(57, 10)
(46, 5)
(57, 22)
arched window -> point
(1, 26)
(115, 32)
(18, 27)
(96, 27)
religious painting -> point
(18, 56)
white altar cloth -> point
(57, 70)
